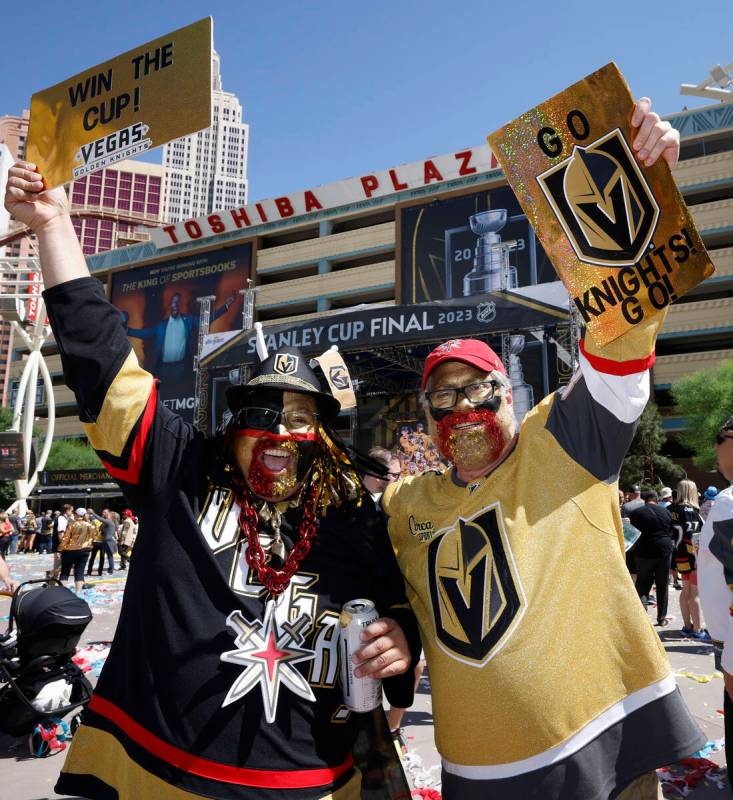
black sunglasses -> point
(265, 419)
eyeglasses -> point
(265, 419)
(475, 393)
(721, 437)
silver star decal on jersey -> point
(268, 653)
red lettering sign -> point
(171, 231)
(239, 217)
(464, 157)
(217, 226)
(193, 229)
(284, 206)
(370, 183)
(431, 172)
(396, 181)
(311, 201)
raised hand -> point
(28, 201)
(655, 137)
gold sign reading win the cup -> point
(619, 235)
(139, 100)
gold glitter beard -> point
(284, 485)
(262, 482)
(471, 449)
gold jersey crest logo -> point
(476, 595)
(603, 202)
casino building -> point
(411, 233)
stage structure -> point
(385, 345)
(21, 304)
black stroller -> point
(39, 683)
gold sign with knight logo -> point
(142, 99)
(618, 233)
(476, 596)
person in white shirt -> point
(174, 339)
(715, 576)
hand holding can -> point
(361, 693)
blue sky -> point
(335, 89)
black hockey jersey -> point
(210, 689)
(687, 524)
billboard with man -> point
(159, 306)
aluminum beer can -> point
(360, 694)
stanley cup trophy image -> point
(491, 269)
(522, 392)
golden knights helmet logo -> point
(475, 591)
(603, 202)
(286, 364)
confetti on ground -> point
(420, 777)
(104, 596)
(699, 678)
(684, 776)
(711, 746)
(92, 657)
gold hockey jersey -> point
(547, 677)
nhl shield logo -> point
(476, 596)
(486, 312)
(603, 202)
(286, 364)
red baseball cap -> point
(470, 351)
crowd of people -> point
(668, 525)
(77, 537)
(250, 545)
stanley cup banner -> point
(139, 100)
(619, 234)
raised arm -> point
(594, 418)
(46, 213)
(116, 398)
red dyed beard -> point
(278, 482)
(473, 448)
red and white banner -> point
(416, 175)
(34, 290)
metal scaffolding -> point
(21, 305)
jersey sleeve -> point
(391, 601)
(594, 417)
(117, 400)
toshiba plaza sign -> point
(418, 174)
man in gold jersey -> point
(548, 679)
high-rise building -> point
(14, 132)
(126, 196)
(13, 135)
(207, 171)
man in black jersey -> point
(222, 680)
